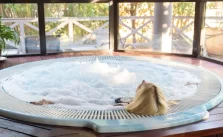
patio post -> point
(162, 31)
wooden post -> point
(199, 30)
(22, 38)
(162, 33)
(113, 25)
(42, 29)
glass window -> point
(212, 34)
(22, 18)
(77, 26)
(157, 27)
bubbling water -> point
(95, 85)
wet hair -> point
(149, 100)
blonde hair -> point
(149, 100)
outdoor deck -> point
(212, 127)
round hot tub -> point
(84, 89)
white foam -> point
(95, 85)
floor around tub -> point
(212, 127)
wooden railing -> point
(21, 22)
(70, 21)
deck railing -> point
(71, 21)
